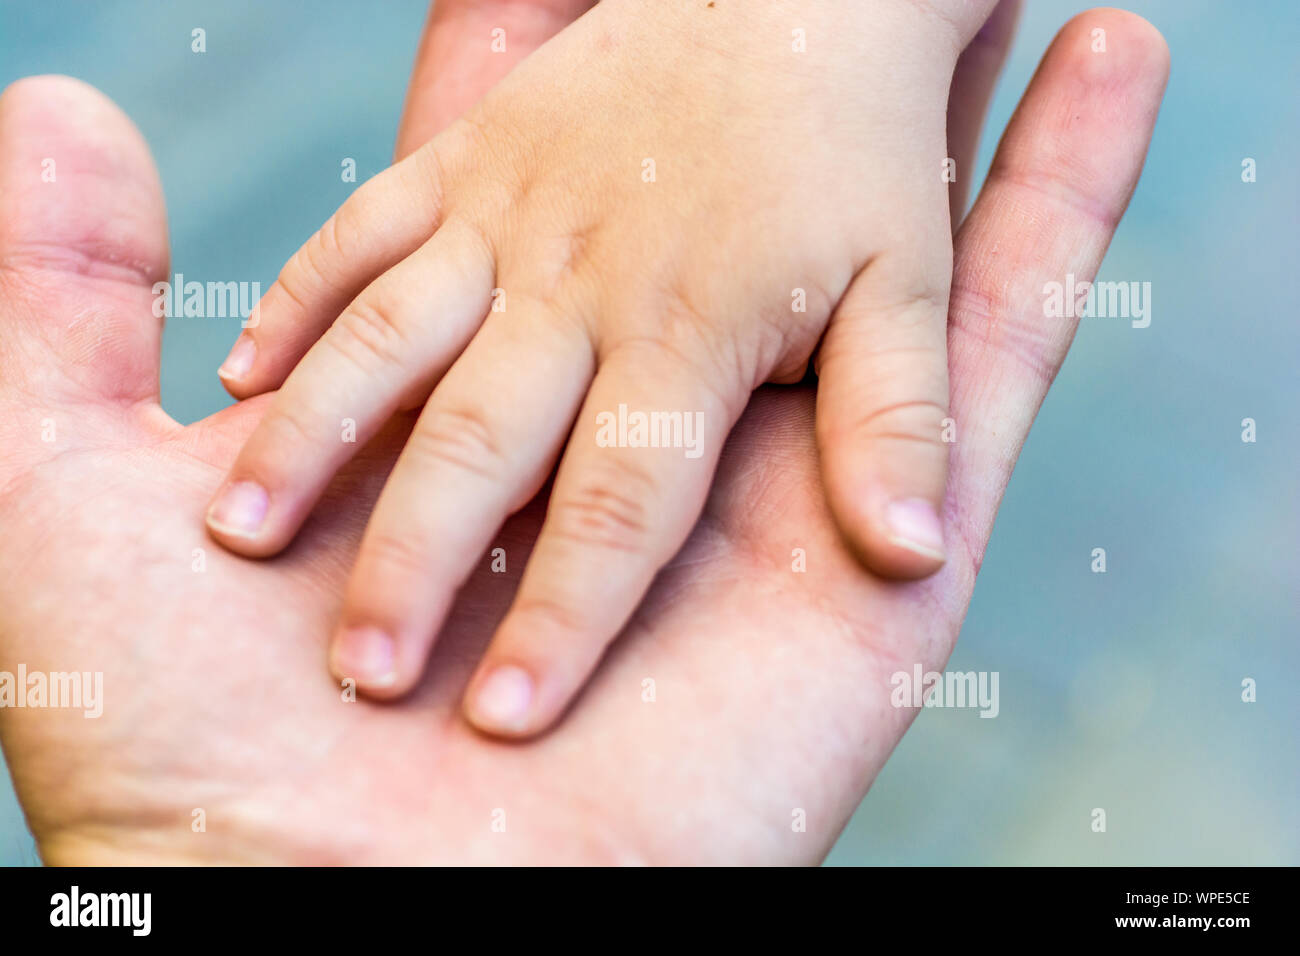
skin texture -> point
(771, 687)
(522, 266)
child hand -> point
(663, 208)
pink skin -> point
(670, 296)
(771, 687)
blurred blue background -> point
(1119, 690)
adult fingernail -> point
(240, 359)
(914, 524)
(502, 699)
(240, 509)
(366, 654)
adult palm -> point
(744, 692)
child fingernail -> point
(502, 699)
(239, 509)
(366, 654)
(914, 524)
(240, 359)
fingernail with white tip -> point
(240, 360)
(914, 524)
(366, 654)
(240, 509)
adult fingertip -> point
(1121, 35)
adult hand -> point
(771, 687)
